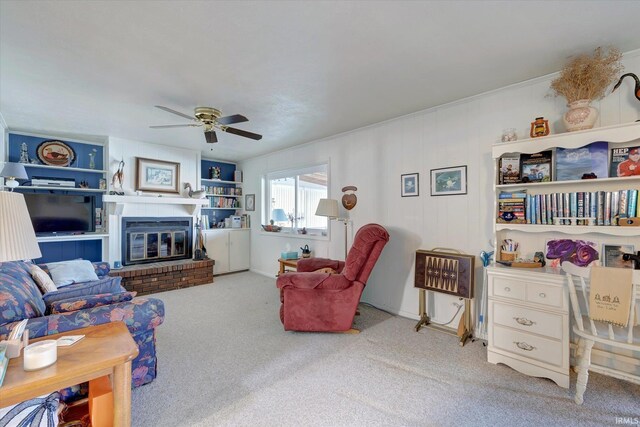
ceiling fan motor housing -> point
(207, 115)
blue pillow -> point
(65, 273)
(107, 285)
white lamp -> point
(17, 238)
(329, 208)
(11, 172)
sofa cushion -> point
(101, 268)
(20, 297)
(65, 273)
(107, 285)
(42, 279)
(81, 303)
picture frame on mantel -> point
(410, 183)
(449, 181)
(157, 175)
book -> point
(536, 167)
(579, 163)
(625, 162)
(510, 169)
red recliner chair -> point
(315, 301)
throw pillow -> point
(67, 272)
(42, 279)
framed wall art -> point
(157, 175)
(449, 181)
(250, 202)
(410, 184)
(55, 153)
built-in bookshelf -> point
(222, 183)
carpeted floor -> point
(225, 360)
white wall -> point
(373, 158)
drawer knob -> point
(542, 295)
(524, 346)
(507, 289)
(524, 321)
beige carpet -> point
(224, 360)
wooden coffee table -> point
(106, 349)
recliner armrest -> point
(312, 281)
(313, 264)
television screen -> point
(59, 213)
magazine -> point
(586, 162)
(510, 169)
(536, 167)
(625, 162)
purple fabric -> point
(313, 301)
(81, 303)
(20, 297)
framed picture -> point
(612, 255)
(410, 183)
(578, 252)
(157, 175)
(250, 202)
(55, 153)
(449, 181)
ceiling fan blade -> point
(229, 120)
(174, 126)
(241, 133)
(211, 137)
(169, 110)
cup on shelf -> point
(508, 255)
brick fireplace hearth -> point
(165, 275)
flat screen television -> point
(61, 213)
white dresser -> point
(528, 323)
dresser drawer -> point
(528, 345)
(549, 295)
(508, 288)
(526, 319)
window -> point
(293, 197)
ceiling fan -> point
(210, 119)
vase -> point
(581, 115)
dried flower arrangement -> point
(587, 77)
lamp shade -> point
(279, 215)
(14, 170)
(327, 207)
(17, 238)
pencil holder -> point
(508, 256)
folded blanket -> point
(610, 295)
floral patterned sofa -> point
(78, 306)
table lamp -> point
(11, 172)
(17, 238)
(279, 215)
(329, 208)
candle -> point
(40, 355)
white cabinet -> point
(529, 322)
(229, 248)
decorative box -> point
(289, 255)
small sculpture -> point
(637, 88)
(539, 127)
(118, 180)
(199, 194)
(24, 155)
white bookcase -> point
(528, 316)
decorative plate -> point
(55, 153)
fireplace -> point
(148, 239)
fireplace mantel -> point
(120, 201)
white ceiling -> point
(300, 71)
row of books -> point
(223, 191)
(573, 208)
(594, 160)
(206, 224)
(224, 203)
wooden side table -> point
(106, 349)
(291, 263)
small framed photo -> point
(612, 255)
(449, 181)
(250, 202)
(157, 175)
(410, 183)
